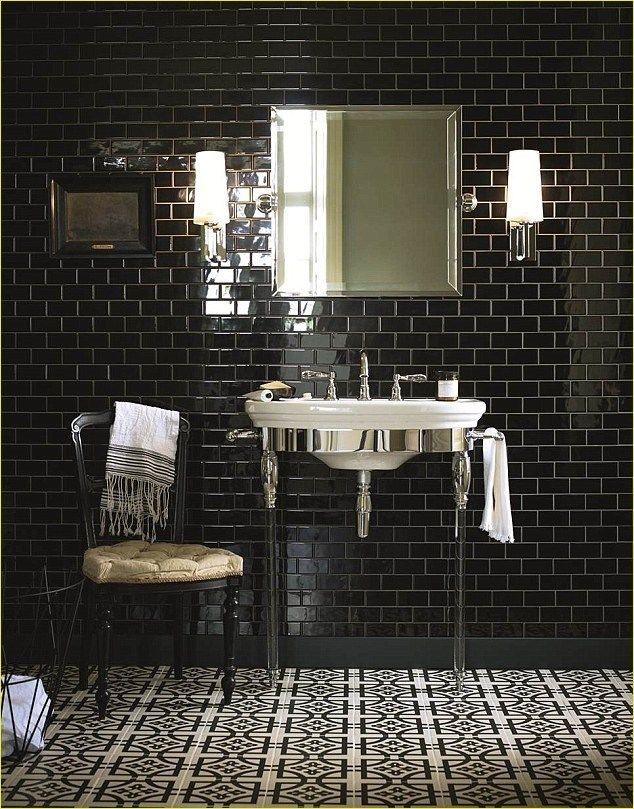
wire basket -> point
(38, 629)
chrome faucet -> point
(398, 378)
(364, 391)
(331, 391)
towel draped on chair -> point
(140, 469)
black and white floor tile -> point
(336, 738)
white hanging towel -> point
(496, 517)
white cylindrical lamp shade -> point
(211, 199)
(524, 192)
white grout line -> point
(353, 757)
(431, 741)
(159, 673)
(505, 733)
(586, 741)
(184, 776)
(283, 691)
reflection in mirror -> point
(367, 201)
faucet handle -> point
(412, 377)
(396, 388)
(308, 373)
(331, 392)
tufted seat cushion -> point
(138, 562)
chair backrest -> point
(88, 484)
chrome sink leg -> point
(268, 467)
(461, 475)
(269, 471)
(364, 503)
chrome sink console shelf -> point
(365, 435)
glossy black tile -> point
(542, 346)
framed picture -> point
(101, 215)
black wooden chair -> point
(133, 566)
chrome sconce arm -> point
(522, 242)
(213, 243)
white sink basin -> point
(352, 434)
(377, 414)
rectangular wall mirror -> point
(366, 201)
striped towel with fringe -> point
(140, 468)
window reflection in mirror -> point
(309, 202)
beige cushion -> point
(138, 562)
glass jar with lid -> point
(447, 390)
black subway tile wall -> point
(140, 87)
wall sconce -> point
(524, 204)
(211, 205)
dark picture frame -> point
(100, 215)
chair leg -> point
(104, 626)
(87, 626)
(230, 626)
(179, 619)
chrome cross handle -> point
(398, 378)
(331, 391)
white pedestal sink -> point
(366, 435)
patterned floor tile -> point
(132, 791)
(327, 737)
(40, 790)
(490, 794)
(145, 740)
(129, 765)
(308, 793)
(216, 791)
(315, 746)
(232, 768)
